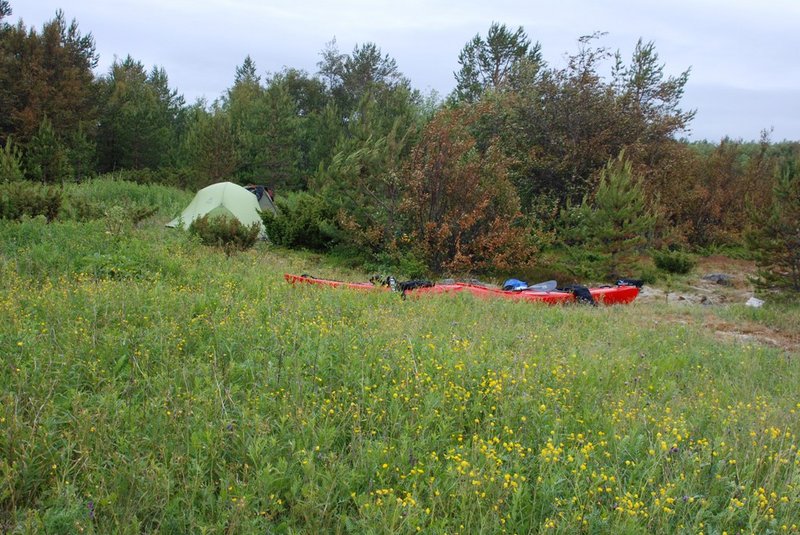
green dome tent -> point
(224, 198)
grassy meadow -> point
(153, 385)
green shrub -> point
(85, 209)
(18, 199)
(82, 208)
(226, 232)
(586, 264)
(674, 261)
(303, 221)
(648, 275)
(401, 263)
(91, 199)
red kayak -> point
(607, 295)
(308, 279)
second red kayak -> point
(606, 295)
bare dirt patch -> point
(703, 290)
(749, 332)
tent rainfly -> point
(223, 198)
(264, 197)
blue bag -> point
(514, 284)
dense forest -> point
(581, 167)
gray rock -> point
(754, 302)
(719, 278)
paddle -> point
(547, 286)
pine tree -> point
(493, 62)
(775, 236)
(10, 162)
(281, 139)
(81, 154)
(46, 158)
(46, 73)
(244, 105)
(211, 146)
(366, 72)
(139, 118)
(616, 221)
(5, 11)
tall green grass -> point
(202, 394)
(107, 191)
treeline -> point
(524, 163)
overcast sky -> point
(744, 55)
